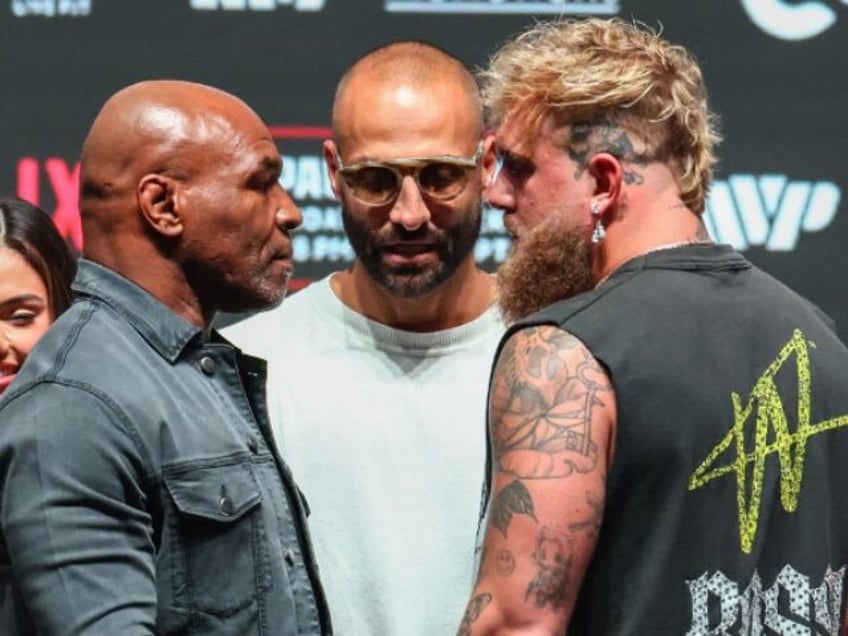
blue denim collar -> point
(166, 332)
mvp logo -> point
(769, 210)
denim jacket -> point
(140, 489)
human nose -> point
(500, 193)
(288, 215)
(409, 210)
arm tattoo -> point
(516, 499)
(505, 563)
(588, 138)
(543, 394)
(553, 558)
(472, 613)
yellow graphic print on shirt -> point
(769, 416)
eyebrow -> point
(23, 299)
(270, 163)
(511, 155)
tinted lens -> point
(372, 184)
(442, 180)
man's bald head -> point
(180, 193)
(403, 101)
(146, 128)
(413, 65)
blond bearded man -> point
(667, 422)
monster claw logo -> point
(771, 434)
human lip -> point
(282, 254)
(409, 252)
(409, 247)
(281, 264)
(7, 374)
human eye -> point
(442, 178)
(265, 174)
(515, 167)
(263, 181)
(23, 317)
(373, 183)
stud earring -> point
(599, 232)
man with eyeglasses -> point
(378, 373)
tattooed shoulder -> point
(528, 350)
(545, 390)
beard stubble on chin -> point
(225, 288)
(552, 263)
(453, 246)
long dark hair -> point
(29, 231)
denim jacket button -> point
(253, 445)
(226, 505)
(207, 364)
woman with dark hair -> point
(36, 270)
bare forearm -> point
(486, 616)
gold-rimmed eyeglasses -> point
(440, 178)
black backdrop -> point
(776, 70)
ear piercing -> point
(599, 232)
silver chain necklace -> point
(658, 248)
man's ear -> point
(608, 173)
(488, 159)
(157, 202)
(330, 160)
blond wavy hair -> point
(598, 71)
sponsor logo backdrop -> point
(775, 69)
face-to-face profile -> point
(237, 216)
(180, 193)
(409, 168)
(24, 312)
(538, 178)
(545, 195)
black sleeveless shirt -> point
(725, 510)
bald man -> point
(139, 487)
(377, 374)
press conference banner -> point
(775, 69)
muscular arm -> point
(73, 516)
(551, 417)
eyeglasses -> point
(439, 178)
